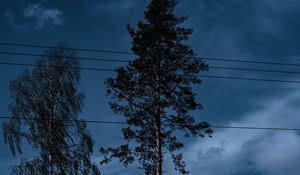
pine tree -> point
(154, 92)
(45, 110)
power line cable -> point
(251, 62)
(87, 121)
(126, 61)
(131, 53)
(80, 58)
(68, 67)
(255, 128)
(249, 79)
(77, 49)
(253, 70)
(203, 76)
(212, 126)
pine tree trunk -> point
(158, 124)
(158, 147)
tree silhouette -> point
(155, 91)
(45, 110)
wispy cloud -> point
(11, 19)
(235, 152)
(40, 17)
(43, 16)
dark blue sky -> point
(243, 29)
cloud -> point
(243, 152)
(11, 19)
(43, 16)
(245, 28)
(37, 17)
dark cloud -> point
(246, 28)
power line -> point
(77, 49)
(203, 76)
(87, 121)
(250, 79)
(253, 70)
(212, 126)
(251, 62)
(80, 58)
(131, 53)
(126, 61)
(68, 67)
(255, 128)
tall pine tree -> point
(45, 110)
(155, 91)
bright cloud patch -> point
(250, 152)
(41, 17)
